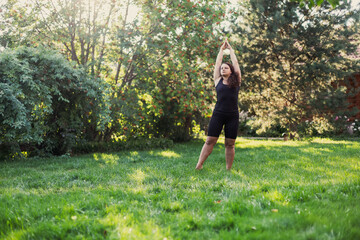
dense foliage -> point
(314, 3)
(47, 104)
(171, 68)
(159, 65)
(295, 62)
(152, 76)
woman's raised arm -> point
(234, 61)
(218, 63)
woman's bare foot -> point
(199, 167)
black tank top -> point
(227, 98)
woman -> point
(227, 80)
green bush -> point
(245, 124)
(330, 127)
(135, 115)
(46, 105)
(262, 128)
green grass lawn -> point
(276, 190)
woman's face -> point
(225, 70)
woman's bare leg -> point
(229, 152)
(206, 151)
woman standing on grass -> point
(227, 78)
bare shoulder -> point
(217, 81)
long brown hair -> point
(234, 77)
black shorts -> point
(218, 120)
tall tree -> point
(17, 20)
(293, 57)
(167, 60)
(79, 28)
